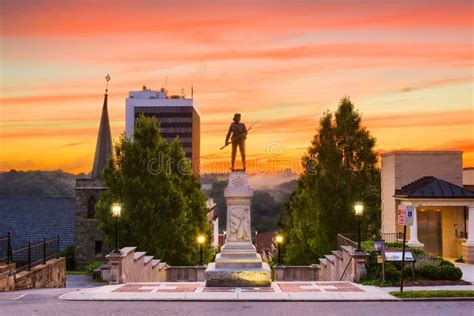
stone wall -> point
(49, 275)
(297, 273)
(133, 266)
(87, 227)
(345, 264)
(185, 273)
(7, 277)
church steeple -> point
(103, 149)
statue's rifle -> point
(240, 136)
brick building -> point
(178, 117)
(431, 182)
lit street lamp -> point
(116, 213)
(279, 240)
(201, 239)
(359, 211)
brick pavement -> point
(198, 291)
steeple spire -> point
(103, 149)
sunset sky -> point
(407, 66)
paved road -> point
(46, 302)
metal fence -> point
(346, 240)
(350, 239)
(30, 255)
(392, 237)
(5, 248)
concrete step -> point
(148, 259)
(330, 258)
(126, 250)
(138, 255)
(161, 265)
(337, 253)
(323, 261)
(155, 262)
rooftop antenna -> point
(107, 78)
(192, 92)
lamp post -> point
(279, 240)
(201, 239)
(116, 213)
(359, 211)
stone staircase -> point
(134, 266)
(345, 264)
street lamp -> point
(116, 213)
(279, 240)
(201, 239)
(359, 211)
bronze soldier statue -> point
(237, 134)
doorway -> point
(429, 231)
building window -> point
(91, 207)
(98, 247)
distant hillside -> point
(267, 204)
(37, 183)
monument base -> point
(238, 277)
(238, 265)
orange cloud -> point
(195, 19)
(420, 119)
(407, 67)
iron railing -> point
(5, 248)
(346, 239)
(350, 239)
(392, 237)
(30, 255)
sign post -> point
(403, 257)
(405, 217)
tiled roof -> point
(433, 188)
(32, 219)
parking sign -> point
(410, 215)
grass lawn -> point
(424, 294)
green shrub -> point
(408, 273)
(68, 253)
(418, 253)
(90, 267)
(446, 263)
(393, 245)
(372, 267)
(391, 272)
(367, 245)
(450, 273)
(430, 272)
(379, 282)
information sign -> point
(396, 255)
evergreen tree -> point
(163, 208)
(340, 169)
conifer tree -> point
(163, 208)
(340, 168)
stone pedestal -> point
(238, 264)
